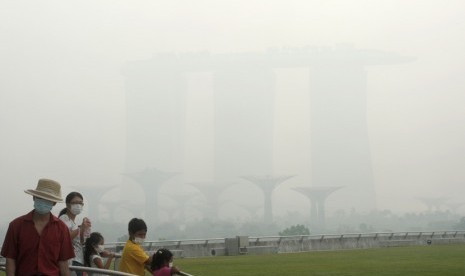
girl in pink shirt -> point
(162, 262)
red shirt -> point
(36, 254)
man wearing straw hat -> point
(39, 243)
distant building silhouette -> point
(317, 196)
(151, 179)
(244, 102)
(92, 198)
(340, 148)
(211, 193)
(244, 117)
(267, 184)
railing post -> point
(301, 243)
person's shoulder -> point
(130, 243)
(64, 217)
(131, 246)
(22, 218)
(58, 222)
(54, 218)
(66, 220)
(94, 256)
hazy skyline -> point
(63, 95)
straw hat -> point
(47, 189)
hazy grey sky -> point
(62, 94)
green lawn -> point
(409, 261)
(420, 260)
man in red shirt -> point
(39, 243)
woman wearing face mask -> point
(94, 251)
(74, 203)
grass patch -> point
(437, 260)
(417, 260)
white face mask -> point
(139, 240)
(76, 209)
(100, 248)
(171, 264)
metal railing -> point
(118, 256)
(296, 243)
(150, 245)
(375, 235)
(299, 243)
(101, 271)
(110, 272)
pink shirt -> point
(164, 271)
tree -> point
(460, 225)
(295, 230)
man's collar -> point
(28, 216)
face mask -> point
(171, 264)
(42, 206)
(139, 240)
(76, 209)
(100, 248)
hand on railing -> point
(99, 270)
(106, 271)
(183, 274)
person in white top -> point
(74, 204)
(94, 251)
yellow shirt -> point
(133, 259)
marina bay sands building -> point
(244, 87)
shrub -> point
(295, 230)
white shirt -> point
(76, 241)
(92, 264)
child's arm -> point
(99, 263)
(110, 257)
(147, 264)
(174, 270)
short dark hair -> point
(136, 224)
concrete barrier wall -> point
(283, 244)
